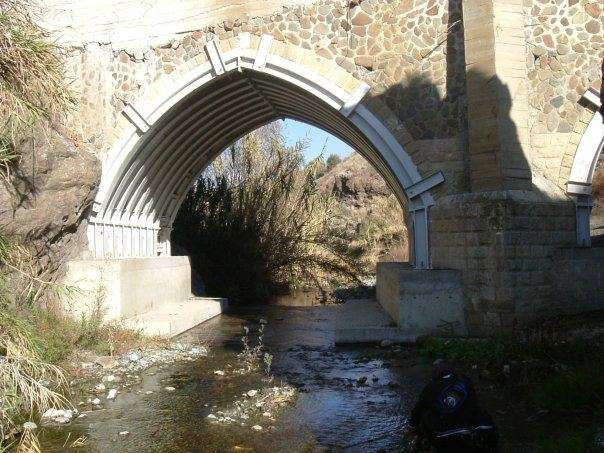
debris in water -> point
(59, 416)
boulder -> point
(48, 196)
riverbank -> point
(544, 384)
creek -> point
(347, 398)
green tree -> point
(332, 161)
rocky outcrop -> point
(372, 218)
(353, 179)
(48, 196)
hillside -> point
(372, 217)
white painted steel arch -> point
(174, 135)
(579, 183)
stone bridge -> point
(482, 116)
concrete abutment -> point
(152, 294)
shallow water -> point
(350, 398)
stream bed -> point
(346, 398)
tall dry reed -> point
(255, 223)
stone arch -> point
(579, 184)
(167, 138)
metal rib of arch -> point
(579, 184)
(175, 137)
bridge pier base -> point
(422, 302)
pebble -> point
(149, 392)
(134, 356)
(266, 414)
(112, 394)
(96, 402)
(170, 389)
(257, 428)
(109, 378)
(107, 362)
(211, 417)
(196, 350)
(58, 416)
(29, 426)
(124, 433)
(219, 372)
(252, 393)
(100, 387)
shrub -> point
(28, 383)
(255, 223)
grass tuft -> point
(29, 385)
(32, 78)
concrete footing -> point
(152, 294)
(365, 321)
(176, 318)
(422, 302)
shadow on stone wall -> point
(492, 220)
(426, 109)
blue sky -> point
(295, 130)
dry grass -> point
(257, 223)
(32, 79)
(383, 234)
(28, 384)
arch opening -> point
(288, 210)
(586, 164)
(172, 137)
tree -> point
(332, 161)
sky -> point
(295, 130)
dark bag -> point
(449, 418)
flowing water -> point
(354, 398)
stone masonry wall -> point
(505, 242)
(565, 50)
(410, 52)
